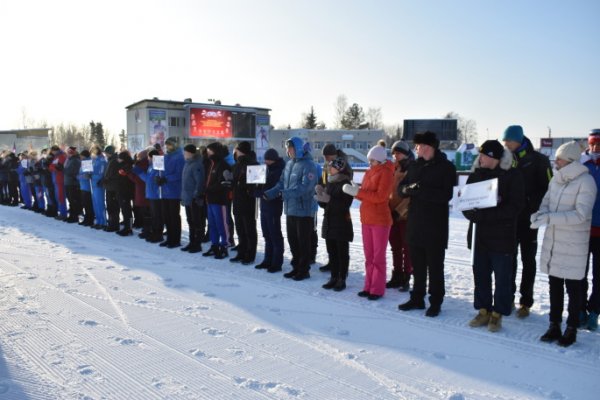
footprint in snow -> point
(226, 285)
(136, 278)
(85, 370)
(88, 322)
(259, 330)
(440, 356)
(343, 332)
(109, 267)
(101, 259)
(279, 389)
(141, 301)
(214, 332)
(126, 342)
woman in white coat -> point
(567, 211)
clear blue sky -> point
(534, 63)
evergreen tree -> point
(123, 139)
(354, 117)
(310, 122)
(97, 133)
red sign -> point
(205, 122)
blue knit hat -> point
(514, 133)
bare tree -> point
(374, 118)
(341, 105)
(467, 128)
(393, 132)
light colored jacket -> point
(567, 210)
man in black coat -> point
(110, 181)
(71, 172)
(244, 204)
(270, 214)
(430, 182)
(537, 172)
(495, 235)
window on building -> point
(347, 145)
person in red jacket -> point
(140, 202)
(376, 219)
(58, 178)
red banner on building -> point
(211, 123)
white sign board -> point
(86, 166)
(482, 194)
(256, 174)
(158, 163)
(24, 164)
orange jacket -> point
(374, 195)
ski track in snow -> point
(90, 315)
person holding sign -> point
(566, 210)
(495, 235)
(85, 186)
(244, 204)
(430, 182)
(270, 214)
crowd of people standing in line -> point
(403, 202)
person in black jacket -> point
(430, 182)
(336, 228)
(270, 214)
(46, 179)
(110, 181)
(71, 174)
(537, 172)
(125, 192)
(495, 235)
(244, 205)
(217, 189)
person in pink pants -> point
(375, 217)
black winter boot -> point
(194, 248)
(211, 252)
(569, 337)
(412, 305)
(221, 253)
(340, 285)
(553, 333)
(331, 283)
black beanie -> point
(329, 150)
(244, 146)
(190, 148)
(429, 138)
(492, 148)
(271, 155)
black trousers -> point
(74, 199)
(196, 222)
(428, 261)
(245, 226)
(339, 257)
(557, 300)
(112, 209)
(299, 235)
(86, 201)
(126, 210)
(527, 241)
(592, 304)
(171, 211)
(157, 224)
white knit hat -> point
(570, 151)
(377, 153)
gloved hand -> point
(351, 189)
(322, 197)
(199, 201)
(395, 215)
(539, 219)
(409, 190)
(473, 215)
(319, 189)
(100, 182)
(122, 172)
(160, 180)
(227, 175)
(87, 176)
(59, 166)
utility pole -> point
(549, 132)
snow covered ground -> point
(90, 315)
